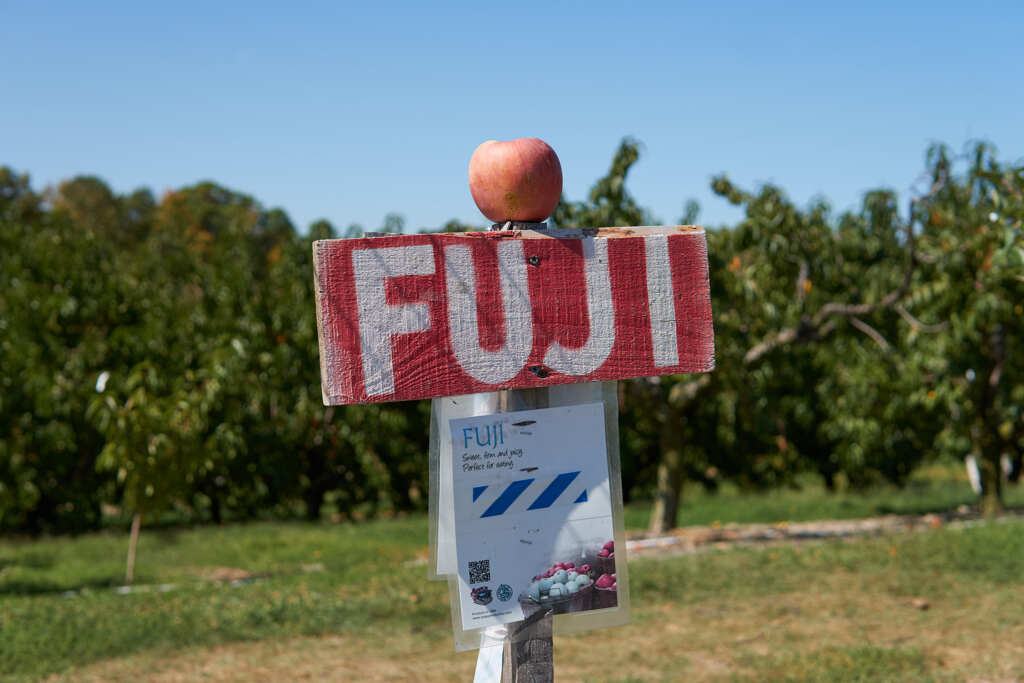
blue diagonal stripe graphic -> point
(477, 490)
(507, 497)
(549, 495)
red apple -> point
(520, 180)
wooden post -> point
(528, 656)
(529, 650)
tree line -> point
(161, 354)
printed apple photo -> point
(584, 583)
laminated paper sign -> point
(533, 517)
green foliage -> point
(162, 355)
(609, 204)
(165, 356)
(972, 248)
(58, 308)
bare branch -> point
(801, 282)
(802, 333)
(917, 324)
(681, 393)
(870, 331)
(786, 336)
(926, 258)
(933, 190)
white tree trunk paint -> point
(661, 300)
(600, 310)
(380, 321)
(973, 473)
(490, 367)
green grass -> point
(938, 488)
(59, 610)
(310, 579)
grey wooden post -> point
(528, 655)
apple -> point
(519, 180)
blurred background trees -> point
(161, 355)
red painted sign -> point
(418, 316)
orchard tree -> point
(56, 314)
(972, 249)
(803, 304)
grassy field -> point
(350, 602)
(937, 488)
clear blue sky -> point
(349, 111)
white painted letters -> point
(661, 301)
(600, 312)
(380, 321)
(579, 335)
(491, 367)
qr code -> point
(479, 571)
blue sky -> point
(350, 111)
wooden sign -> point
(420, 316)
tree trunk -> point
(671, 476)
(133, 541)
(986, 431)
(986, 453)
(215, 508)
(314, 498)
(991, 503)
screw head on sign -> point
(519, 180)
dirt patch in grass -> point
(225, 574)
(691, 539)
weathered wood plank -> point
(420, 316)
